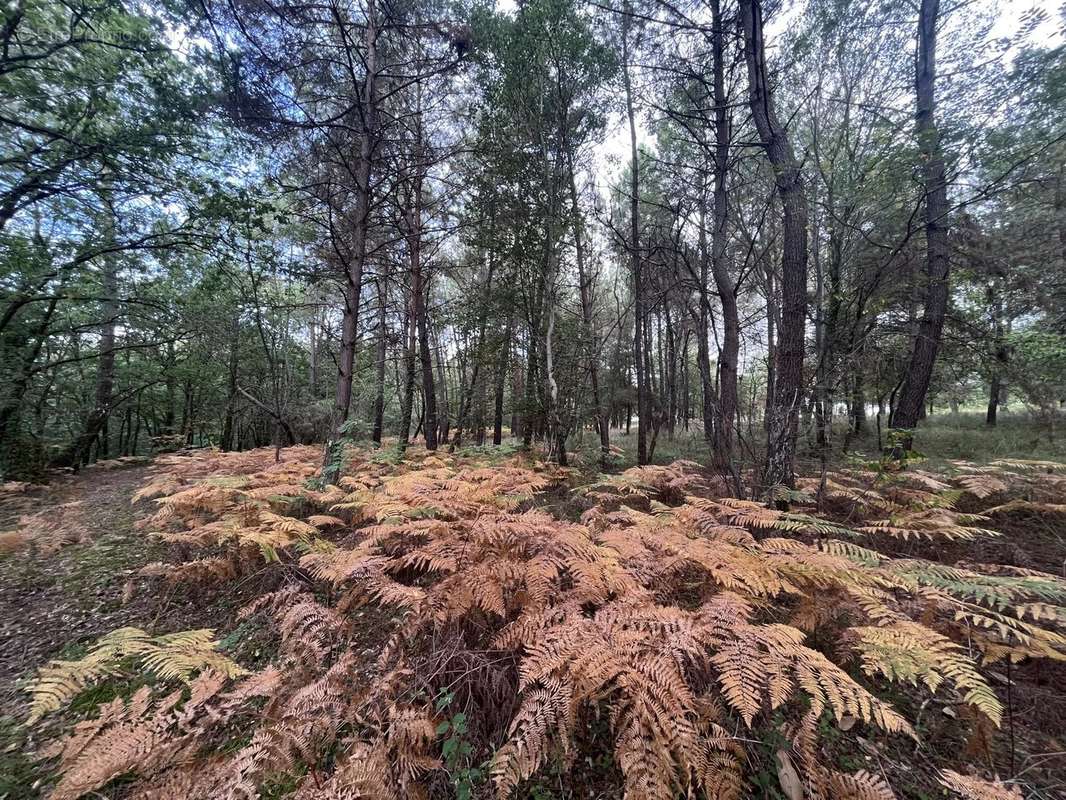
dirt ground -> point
(55, 600)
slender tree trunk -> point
(937, 265)
(501, 376)
(517, 391)
(858, 406)
(708, 395)
(466, 400)
(728, 359)
(643, 404)
(171, 391)
(1001, 359)
(407, 398)
(772, 317)
(603, 426)
(357, 258)
(313, 337)
(226, 442)
(1060, 210)
(557, 448)
(532, 412)
(670, 375)
(444, 417)
(77, 452)
(788, 380)
(425, 355)
(379, 395)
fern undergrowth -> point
(679, 617)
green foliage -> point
(457, 750)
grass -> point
(965, 436)
(941, 438)
(19, 773)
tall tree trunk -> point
(313, 338)
(407, 399)
(670, 375)
(772, 318)
(858, 406)
(171, 388)
(466, 399)
(557, 447)
(708, 395)
(226, 441)
(1001, 358)
(77, 451)
(444, 418)
(379, 378)
(357, 256)
(937, 265)
(603, 426)
(788, 379)
(425, 354)
(639, 355)
(728, 359)
(1060, 209)
(556, 430)
(501, 376)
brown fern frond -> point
(861, 785)
(932, 523)
(133, 737)
(544, 721)
(176, 656)
(973, 788)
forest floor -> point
(58, 597)
(55, 599)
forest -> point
(533, 399)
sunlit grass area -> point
(940, 437)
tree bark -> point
(728, 359)
(1001, 358)
(937, 264)
(379, 395)
(407, 400)
(425, 355)
(78, 450)
(466, 400)
(357, 254)
(603, 427)
(226, 440)
(643, 410)
(788, 378)
(708, 394)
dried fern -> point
(172, 656)
(660, 609)
(977, 789)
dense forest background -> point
(782, 229)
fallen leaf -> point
(790, 781)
